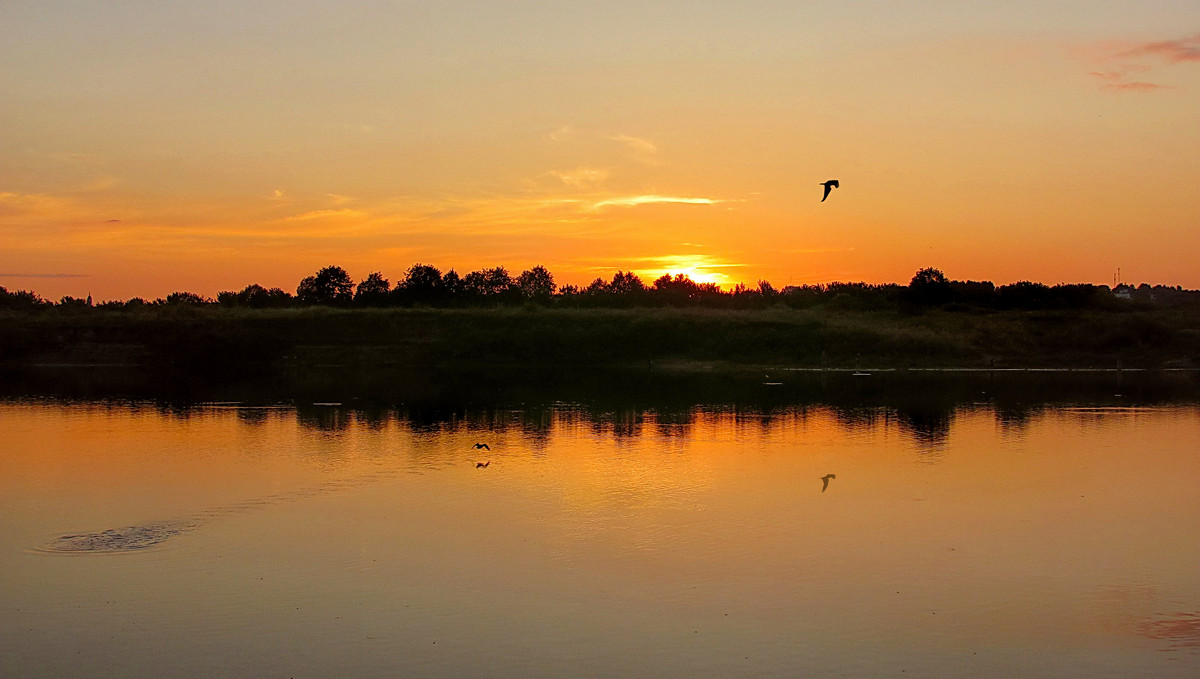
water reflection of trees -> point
(929, 427)
(618, 423)
(626, 405)
(325, 418)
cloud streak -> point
(1119, 68)
(44, 275)
(637, 144)
(651, 199)
(1117, 81)
(583, 177)
(1171, 51)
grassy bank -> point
(212, 338)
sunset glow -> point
(149, 149)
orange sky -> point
(145, 150)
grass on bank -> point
(209, 337)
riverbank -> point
(214, 339)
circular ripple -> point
(126, 539)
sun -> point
(699, 268)
(697, 274)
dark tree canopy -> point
(255, 296)
(331, 285)
(186, 298)
(372, 290)
(423, 284)
(536, 284)
(929, 286)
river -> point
(334, 538)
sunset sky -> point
(150, 147)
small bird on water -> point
(829, 186)
(477, 446)
(825, 481)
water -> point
(228, 540)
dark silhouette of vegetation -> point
(929, 286)
(255, 296)
(432, 317)
(331, 286)
(372, 291)
(425, 286)
(21, 300)
(189, 298)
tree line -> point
(427, 286)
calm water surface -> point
(231, 541)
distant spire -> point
(89, 302)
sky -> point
(151, 147)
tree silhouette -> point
(186, 298)
(331, 285)
(422, 284)
(21, 299)
(536, 284)
(678, 290)
(597, 288)
(490, 285)
(73, 302)
(627, 285)
(452, 285)
(373, 290)
(929, 286)
(255, 296)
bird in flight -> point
(829, 186)
(477, 446)
(479, 465)
(825, 481)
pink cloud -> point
(1136, 86)
(1172, 51)
(1117, 82)
(1118, 67)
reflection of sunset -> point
(696, 531)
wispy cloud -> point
(583, 177)
(637, 144)
(326, 214)
(44, 275)
(634, 201)
(1171, 51)
(1119, 82)
(815, 251)
(561, 133)
(1120, 63)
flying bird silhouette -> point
(477, 446)
(829, 186)
(479, 465)
(825, 481)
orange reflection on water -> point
(952, 542)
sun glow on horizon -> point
(700, 268)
